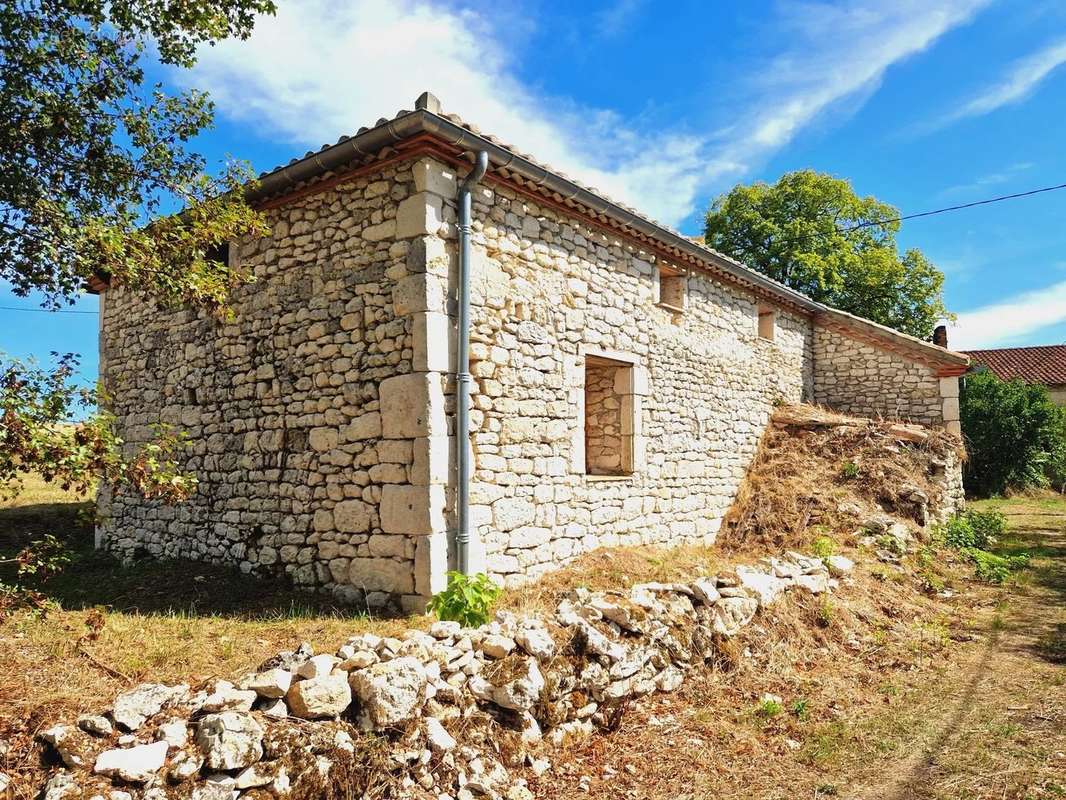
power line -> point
(45, 310)
(871, 223)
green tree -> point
(97, 178)
(1015, 436)
(802, 231)
(91, 156)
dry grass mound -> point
(816, 472)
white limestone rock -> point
(444, 629)
(536, 641)
(227, 697)
(497, 646)
(230, 740)
(437, 738)
(522, 692)
(68, 742)
(839, 565)
(389, 692)
(321, 697)
(137, 764)
(132, 708)
(95, 724)
(763, 585)
(175, 733)
(705, 590)
(273, 683)
(733, 613)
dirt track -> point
(998, 723)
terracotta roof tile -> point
(1046, 365)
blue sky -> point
(921, 104)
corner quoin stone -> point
(412, 406)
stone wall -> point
(551, 294)
(859, 378)
(302, 454)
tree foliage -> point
(1015, 435)
(91, 158)
(36, 436)
(801, 231)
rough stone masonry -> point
(620, 391)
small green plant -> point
(958, 533)
(825, 612)
(823, 547)
(467, 599)
(891, 544)
(992, 568)
(987, 526)
(769, 708)
(801, 709)
(849, 470)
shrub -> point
(987, 526)
(973, 528)
(467, 599)
(1015, 436)
(958, 533)
(992, 568)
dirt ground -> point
(885, 691)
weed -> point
(825, 744)
(825, 790)
(891, 544)
(824, 615)
(466, 600)
(801, 709)
(823, 547)
(769, 708)
(992, 568)
(849, 470)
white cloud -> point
(985, 182)
(617, 18)
(321, 69)
(1008, 321)
(1023, 78)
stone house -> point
(622, 374)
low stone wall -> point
(858, 378)
(446, 703)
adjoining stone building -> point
(622, 374)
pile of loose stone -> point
(453, 709)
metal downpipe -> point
(462, 374)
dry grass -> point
(811, 461)
(170, 622)
(888, 692)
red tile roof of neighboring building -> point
(1046, 365)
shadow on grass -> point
(1046, 576)
(175, 587)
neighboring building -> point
(1044, 365)
(623, 374)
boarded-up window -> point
(609, 413)
(767, 321)
(673, 290)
